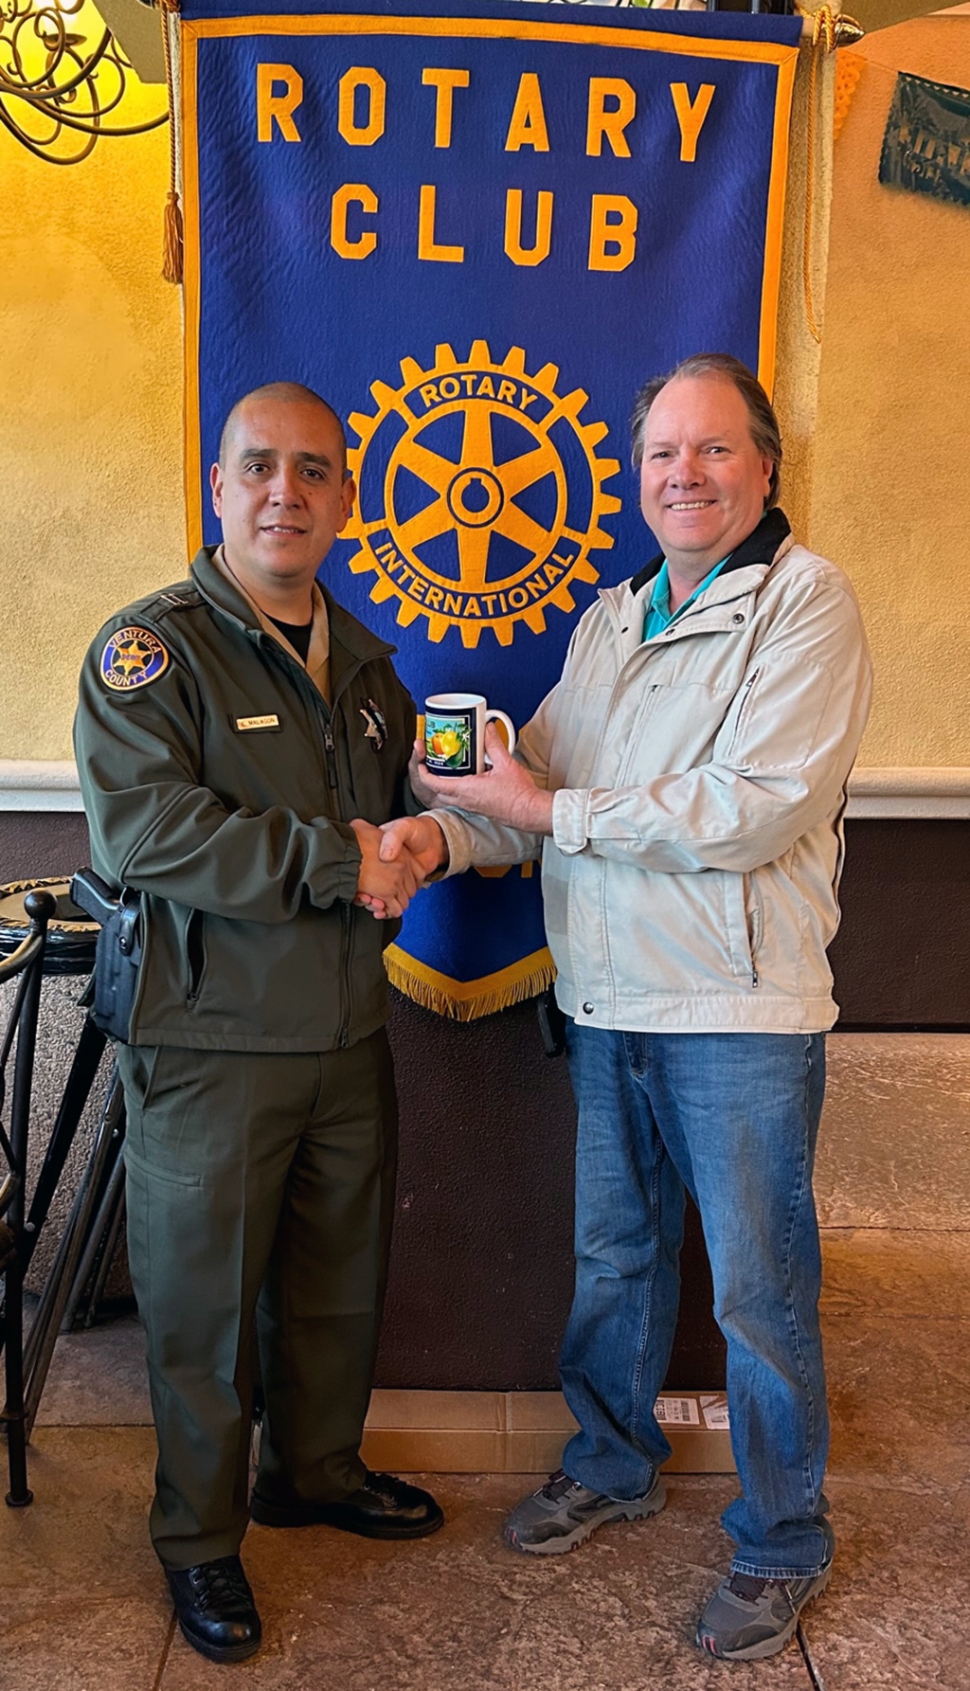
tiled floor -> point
(82, 1606)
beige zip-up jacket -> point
(691, 880)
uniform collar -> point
(318, 656)
(350, 642)
(760, 547)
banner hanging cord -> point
(173, 247)
(830, 29)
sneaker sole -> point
(768, 1646)
(639, 1509)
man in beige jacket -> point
(685, 783)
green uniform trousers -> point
(258, 1186)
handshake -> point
(399, 857)
(395, 861)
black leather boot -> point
(216, 1610)
(383, 1507)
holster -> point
(552, 1023)
(111, 993)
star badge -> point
(133, 657)
(376, 729)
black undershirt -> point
(297, 633)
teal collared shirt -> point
(659, 614)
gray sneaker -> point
(747, 1618)
(562, 1513)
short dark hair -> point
(764, 424)
(286, 391)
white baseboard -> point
(934, 793)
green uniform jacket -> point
(238, 836)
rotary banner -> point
(476, 229)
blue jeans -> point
(733, 1118)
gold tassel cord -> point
(829, 29)
(823, 38)
(172, 263)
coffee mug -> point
(454, 733)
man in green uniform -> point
(240, 738)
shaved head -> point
(286, 393)
(282, 492)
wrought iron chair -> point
(27, 961)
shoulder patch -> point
(133, 657)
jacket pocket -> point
(743, 710)
(744, 914)
(755, 914)
(195, 955)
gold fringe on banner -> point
(172, 262)
(848, 69)
(466, 1001)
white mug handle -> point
(500, 716)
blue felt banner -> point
(476, 229)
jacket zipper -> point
(757, 923)
(333, 782)
(346, 912)
(343, 972)
(330, 750)
(745, 699)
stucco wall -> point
(91, 425)
(91, 429)
(890, 493)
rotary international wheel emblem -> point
(479, 494)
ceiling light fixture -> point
(62, 82)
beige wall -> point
(91, 420)
(90, 432)
(890, 491)
(92, 424)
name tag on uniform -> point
(252, 724)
